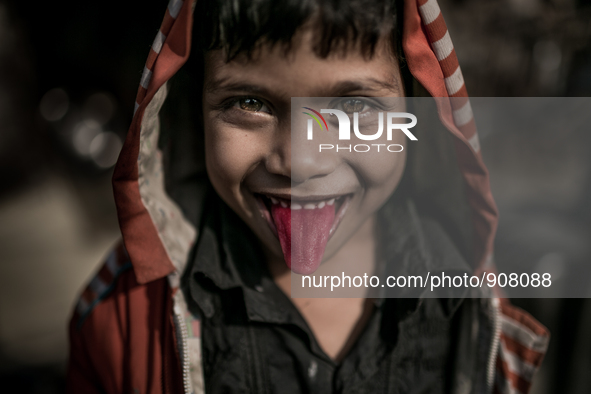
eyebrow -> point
(366, 84)
(228, 84)
(338, 89)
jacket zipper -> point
(490, 369)
(185, 351)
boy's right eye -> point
(251, 105)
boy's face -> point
(250, 155)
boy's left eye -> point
(251, 105)
(353, 105)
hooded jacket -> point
(131, 331)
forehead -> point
(300, 72)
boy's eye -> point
(353, 105)
(251, 105)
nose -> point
(298, 158)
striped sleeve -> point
(521, 350)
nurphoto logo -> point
(344, 121)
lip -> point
(341, 201)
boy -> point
(198, 300)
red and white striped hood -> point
(158, 237)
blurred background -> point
(69, 72)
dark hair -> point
(238, 26)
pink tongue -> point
(303, 234)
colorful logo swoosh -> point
(315, 118)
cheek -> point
(230, 154)
(379, 170)
(380, 174)
(384, 171)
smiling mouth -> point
(303, 225)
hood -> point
(158, 234)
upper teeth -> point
(309, 205)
